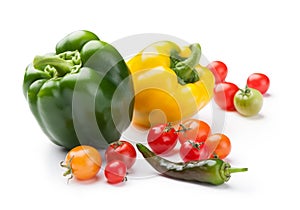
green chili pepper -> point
(82, 93)
(211, 171)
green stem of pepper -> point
(185, 69)
(236, 170)
(58, 65)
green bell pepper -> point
(82, 94)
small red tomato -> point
(224, 147)
(115, 172)
(121, 150)
(190, 150)
(162, 138)
(193, 129)
(259, 81)
(224, 94)
(219, 69)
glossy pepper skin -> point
(82, 94)
(169, 83)
(211, 171)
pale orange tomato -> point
(83, 162)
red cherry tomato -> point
(162, 138)
(259, 81)
(190, 150)
(193, 129)
(115, 172)
(224, 147)
(219, 69)
(121, 150)
(224, 95)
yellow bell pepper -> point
(170, 84)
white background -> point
(252, 36)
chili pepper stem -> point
(236, 170)
(226, 171)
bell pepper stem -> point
(194, 58)
(62, 63)
(185, 70)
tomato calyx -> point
(215, 155)
(245, 92)
(69, 170)
(125, 178)
(116, 172)
(190, 150)
(168, 127)
(196, 145)
(117, 144)
(183, 128)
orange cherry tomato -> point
(224, 147)
(83, 162)
(193, 129)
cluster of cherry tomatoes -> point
(84, 162)
(228, 96)
(196, 140)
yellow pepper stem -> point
(185, 68)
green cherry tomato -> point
(248, 101)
